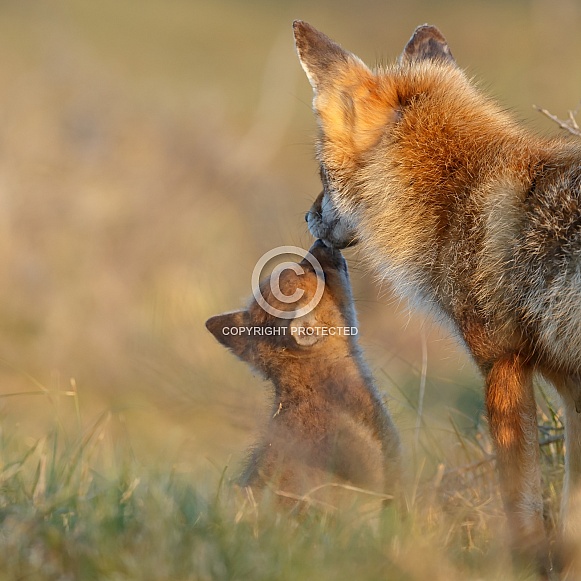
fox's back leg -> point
(512, 416)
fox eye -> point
(326, 180)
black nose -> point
(307, 217)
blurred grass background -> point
(151, 152)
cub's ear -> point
(426, 43)
(222, 326)
(304, 330)
(352, 105)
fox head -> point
(356, 106)
(272, 344)
(359, 110)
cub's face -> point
(271, 343)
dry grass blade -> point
(569, 125)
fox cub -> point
(328, 423)
(472, 216)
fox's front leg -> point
(512, 417)
(570, 547)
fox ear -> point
(426, 43)
(352, 106)
(221, 327)
(321, 58)
(304, 330)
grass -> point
(73, 506)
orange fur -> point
(471, 216)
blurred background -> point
(152, 151)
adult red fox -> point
(328, 423)
(470, 215)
